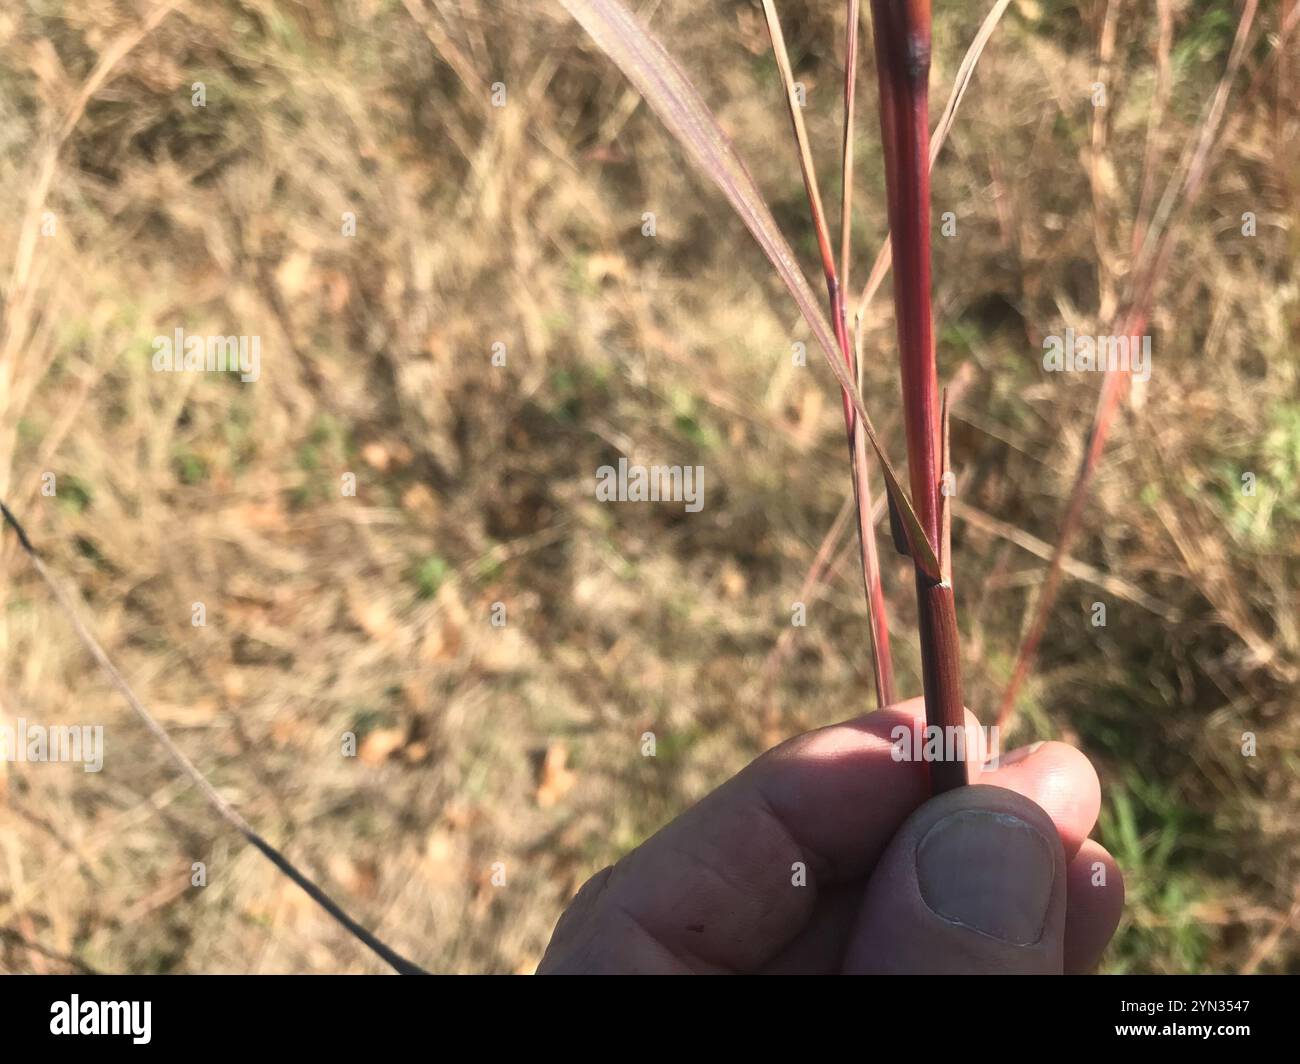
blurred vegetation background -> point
(523, 225)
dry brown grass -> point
(523, 224)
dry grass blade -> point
(805, 156)
(679, 106)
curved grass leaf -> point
(679, 106)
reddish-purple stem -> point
(902, 35)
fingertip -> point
(1057, 777)
(1094, 906)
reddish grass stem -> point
(881, 655)
(902, 38)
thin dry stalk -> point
(1180, 194)
(877, 614)
(881, 655)
(223, 808)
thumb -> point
(972, 883)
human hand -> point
(997, 877)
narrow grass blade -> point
(674, 99)
(805, 153)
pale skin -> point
(827, 855)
